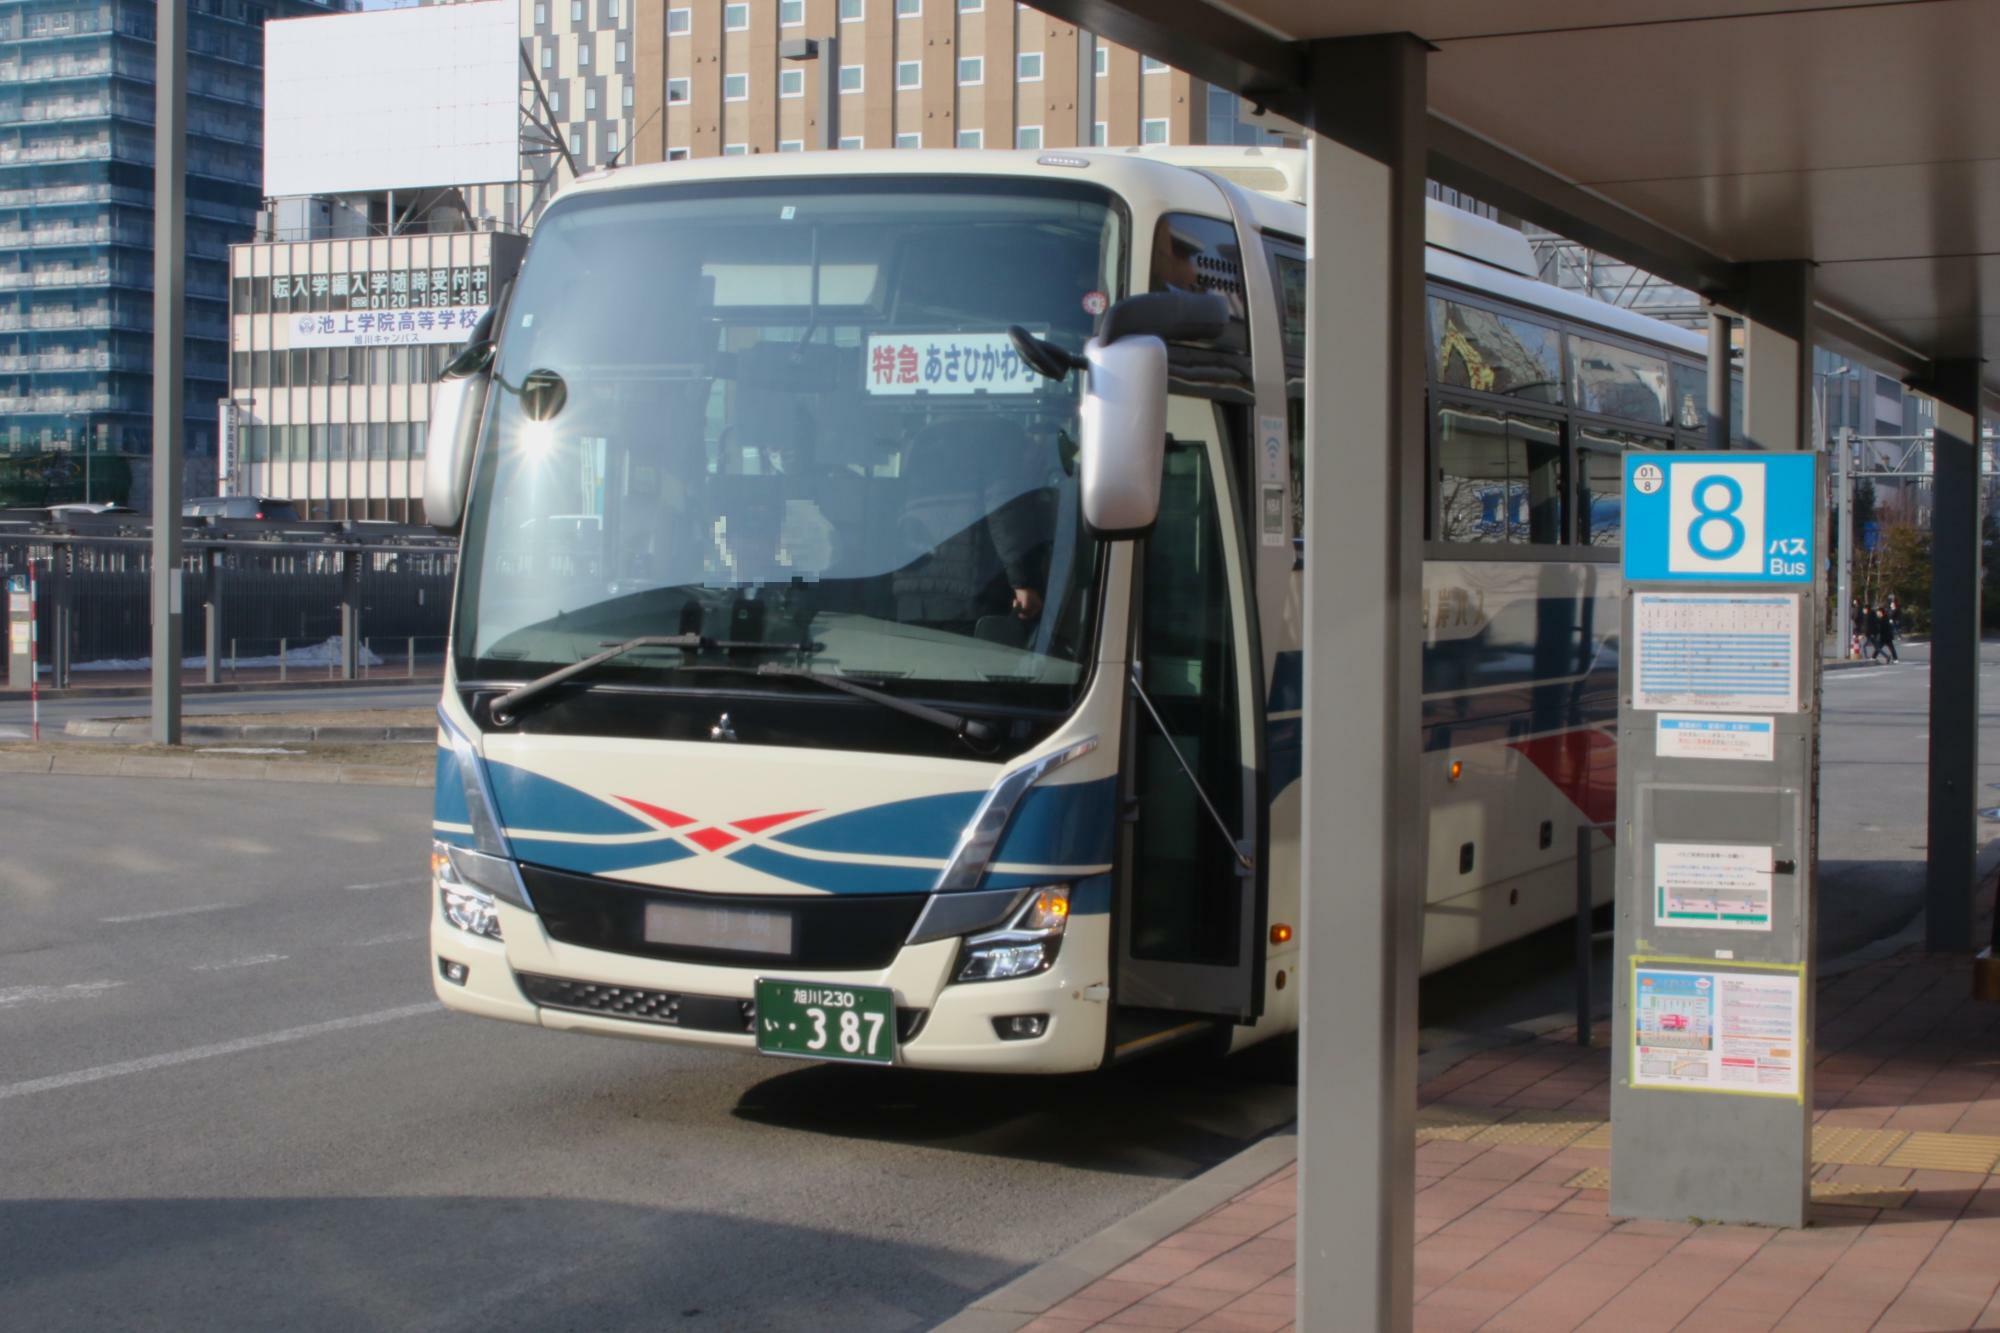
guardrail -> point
(344, 598)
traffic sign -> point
(1720, 517)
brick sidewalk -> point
(1512, 1231)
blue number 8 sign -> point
(1715, 518)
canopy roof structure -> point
(1688, 136)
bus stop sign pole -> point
(1711, 1088)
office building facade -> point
(711, 78)
(76, 225)
(335, 344)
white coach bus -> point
(878, 627)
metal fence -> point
(255, 591)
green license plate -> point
(825, 1022)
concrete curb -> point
(225, 687)
(140, 730)
(1046, 1285)
(96, 764)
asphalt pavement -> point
(228, 1101)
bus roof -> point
(1463, 248)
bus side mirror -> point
(1123, 447)
(458, 402)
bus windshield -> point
(786, 416)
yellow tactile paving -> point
(1537, 1129)
(1455, 1124)
(1846, 1145)
(1847, 1193)
(1598, 1137)
(1854, 1195)
(1947, 1152)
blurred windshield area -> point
(787, 412)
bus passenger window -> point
(1600, 468)
(1499, 478)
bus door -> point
(1191, 891)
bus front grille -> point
(696, 1013)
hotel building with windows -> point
(711, 79)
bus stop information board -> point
(1717, 733)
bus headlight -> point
(466, 906)
(1025, 946)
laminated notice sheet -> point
(1711, 886)
(1719, 1031)
(1716, 652)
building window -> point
(541, 16)
(909, 141)
(1100, 134)
(628, 97)
(909, 73)
(677, 154)
(576, 143)
(971, 71)
(576, 11)
(736, 87)
(909, 9)
(971, 139)
(555, 99)
(621, 50)
(736, 18)
(791, 83)
(548, 58)
(611, 142)
(1148, 65)
(1153, 131)
(971, 6)
(791, 145)
(850, 78)
(1028, 67)
(611, 8)
(850, 141)
(1028, 136)
(1100, 60)
(590, 99)
(791, 13)
(680, 22)
(583, 55)
(850, 11)
(735, 150)
(677, 91)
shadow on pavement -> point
(459, 1263)
(1168, 1116)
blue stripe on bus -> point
(836, 876)
(597, 858)
(925, 826)
(529, 800)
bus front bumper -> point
(948, 1026)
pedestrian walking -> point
(1854, 621)
(1871, 633)
(1885, 641)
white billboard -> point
(392, 99)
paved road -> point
(226, 1101)
(56, 711)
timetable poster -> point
(1720, 1031)
(1717, 652)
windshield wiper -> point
(502, 709)
(970, 729)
